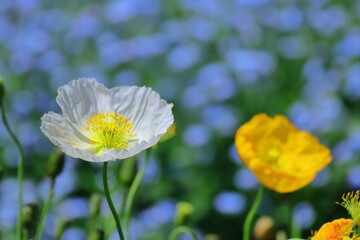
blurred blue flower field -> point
(219, 63)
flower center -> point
(270, 152)
(110, 130)
(273, 153)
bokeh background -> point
(220, 62)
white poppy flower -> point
(101, 124)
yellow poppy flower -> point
(282, 157)
(339, 229)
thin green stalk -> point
(251, 214)
(111, 204)
(123, 202)
(20, 173)
(44, 211)
(133, 189)
(294, 228)
(182, 229)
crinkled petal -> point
(149, 114)
(69, 139)
(82, 98)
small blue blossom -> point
(184, 56)
(352, 84)
(196, 135)
(245, 179)
(304, 215)
(73, 208)
(229, 203)
(354, 177)
(74, 233)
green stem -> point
(251, 214)
(111, 204)
(44, 211)
(133, 189)
(123, 202)
(20, 173)
(182, 229)
(294, 228)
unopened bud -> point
(95, 202)
(2, 91)
(211, 237)
(183, 211)
(169, 133)
(60, 228)
(281, 235)
(30, 213)
(97, 235)
(264, 228)
(128, 171)
(55, 163)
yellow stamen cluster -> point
(110, 130)
(351, 201)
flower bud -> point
(2, 90)
(211, 237)
(60, 228)
(95, 201)
(1, 173)
(169, 133)
(55, 163)
(264, 228)
(30, 213)
(183, 211)
(127, 171)
(97, 235)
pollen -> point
(110, 130)
(273, 153)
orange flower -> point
(282, 157)
(339, 229)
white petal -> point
(63, 134)
(150, 115)
(133, 150)
(82, 98)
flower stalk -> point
(54, 167)
(44, 211)
(251, 214)
(180, 230)
(133, 190)
(110, 202)
(20, 169)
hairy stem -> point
(20, 174)
(182, 229)
(111, 204)
(44, 211)
(251, 214)
(133, 189)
